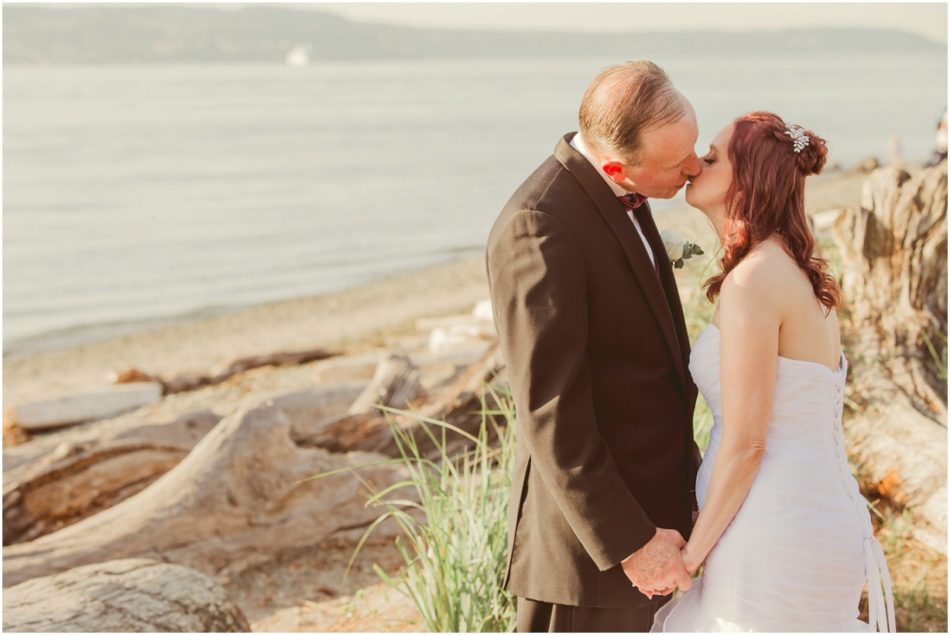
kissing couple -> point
(613, 508)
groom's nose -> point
(693, 167)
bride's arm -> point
(749, 307)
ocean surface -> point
(138, 194)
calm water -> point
(135, 194)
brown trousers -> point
(544, 617)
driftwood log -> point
(92, 472)
(894, 278)
(438, 370)
(237, 498)
(45, 449)
(395, 384)
(367, 428)
(132, 389)
(79, 479)
(131, 595)
(89, 406)
(223, 372)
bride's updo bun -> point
(812, 158)
(770, 160)
(813, 151)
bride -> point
(783, 536)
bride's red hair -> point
(767, 196)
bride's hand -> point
(690, 562)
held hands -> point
(690, 563)
(658, 565)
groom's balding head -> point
(625, 100)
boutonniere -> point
(678, 249)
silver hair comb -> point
(799, 138)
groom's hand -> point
(658, 565)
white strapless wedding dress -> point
(801, 547)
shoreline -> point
(60, 339)
(350, 319)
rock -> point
(483, 312)
(449, 334)
(449, 339)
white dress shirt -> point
(578, 144)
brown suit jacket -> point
(597, 354)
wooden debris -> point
(66, 482)
(79, 479)
(123, 596)
(192, 381)
(108, 402)
(241, 495)
(458, 404)
(894, 277)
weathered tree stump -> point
(131, 595)
(234, 500)
(894, 277)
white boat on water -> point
(299, 55)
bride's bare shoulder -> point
(766, 275)
(766, 263)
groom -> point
(593, 334)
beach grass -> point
(454, 529)
(698, 311)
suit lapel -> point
(618, 221)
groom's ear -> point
(614, 169)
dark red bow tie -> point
(632, 200)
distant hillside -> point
(111, 34)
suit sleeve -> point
(539, 297)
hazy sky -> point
(929, 19)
